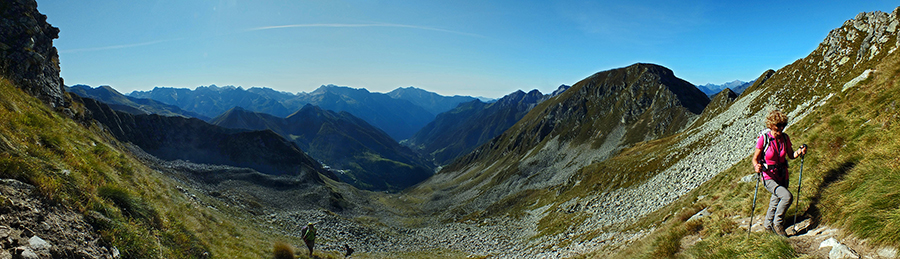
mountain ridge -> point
(118, 101)
(432, 102)
(459, 131)
(736, 86)
(365, 156)
(172, 138)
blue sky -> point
(476, 48)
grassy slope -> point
(80, 168)
(849, 181)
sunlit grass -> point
(135, 209)
(850, 180)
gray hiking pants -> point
(778, 203)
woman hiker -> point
(770, 158)
(308, 234)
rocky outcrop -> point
(27, 55)
(33, 228)
(874, 28)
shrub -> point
(283, 250)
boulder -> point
(36, 243)
(838, 250)
(702, 213)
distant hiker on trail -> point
(308, 234)
(770, 158)
(349, 251)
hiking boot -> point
(780, 231)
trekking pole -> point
(753, 207)
(799, 183)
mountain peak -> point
(635, 79)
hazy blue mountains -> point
(737, 86)
(430, 101)
(210, 101)
(399, 117)
(367, 157)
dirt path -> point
(808, 241)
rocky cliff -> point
(27, 54)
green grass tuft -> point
(283, 250)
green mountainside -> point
(459, 131)
(636, 202)
(82, 173)
(172, 138)
(365, 156)
(594, 119)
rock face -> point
(31, 228)
(27, 55)
(874, 28)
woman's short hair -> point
(774, 118)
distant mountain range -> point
(400, 114)
(430, 101)
(367, 157)
(737, 86)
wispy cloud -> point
(123, 46)
(312, 25)
(357, 25)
